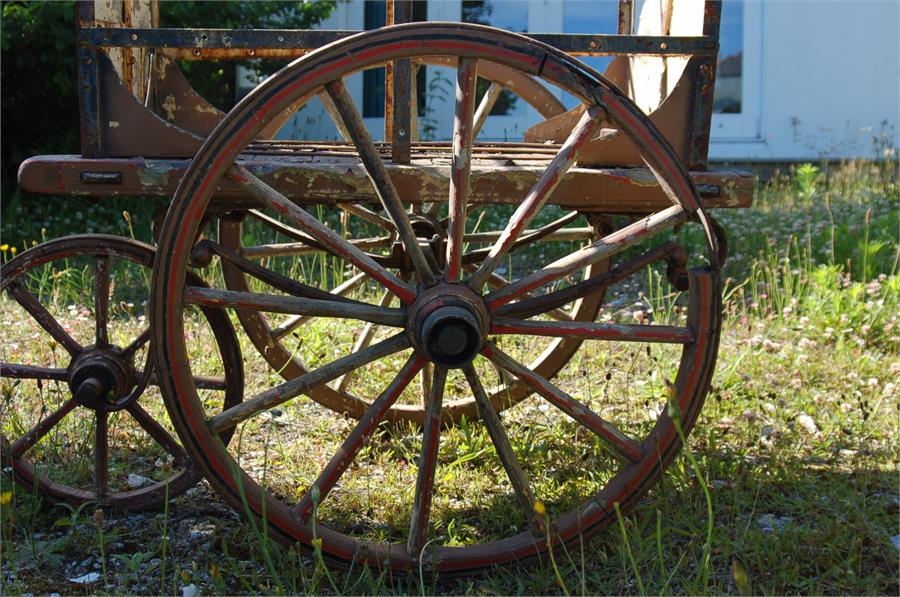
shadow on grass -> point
(793, 525)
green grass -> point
(794, 460)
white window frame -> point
(747, 125)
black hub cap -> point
(106, 375)
(448, 323)
(451, 336)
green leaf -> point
(741, 579)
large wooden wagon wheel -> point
(451, 322)
(82, 417)
(269, 332)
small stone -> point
(201, 531)
(135, 481)
(90, 577)
(769, 522)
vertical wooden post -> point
(398, 122)
(389, 82)
(88, 86)
(705, 87)
(626, 17)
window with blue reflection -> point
(729, 74)
(511, 15)
(592, 16)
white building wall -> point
(829, 81)
(821, 79)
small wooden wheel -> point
(83, 420)
(596, 449)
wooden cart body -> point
(141, 121)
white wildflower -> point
(806, 422)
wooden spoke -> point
(485, 106)
(369, 216)
(381, 180)
(431, 437)
(210, 382)
(335, 116)
(621, 444)
(136, 344)
(101, 299)
(43, 317)
(283, 228)
(303, 248)
(294, 387)
(332, 472)
(296, 321)
(203, 382)
(565, 234)
(273, 279)
(34, 435)
(601, 249)
(539, 194)
(15, 371)
(552, 231)
(322, 233)
(460, 163)
(158, 433)
(254, 301)
(306, 244)
(497, 281)
(365, 338)
(596, 331)
(546, 303)
(427, 377)
(101, 453)
(491, 419)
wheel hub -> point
(113, 372)
(448, 324)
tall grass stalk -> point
(99, 521)
(628, 552)
(674, 412)
(165, 540)
(261, 536)
(544, 517)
